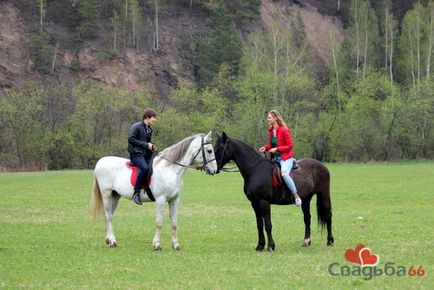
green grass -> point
(47, 239)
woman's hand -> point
(262, 149)
(273, 150)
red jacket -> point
(284, 141)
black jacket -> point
(139, 136)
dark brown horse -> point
(311, 178)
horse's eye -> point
(209, 151)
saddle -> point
(277, 173)
(146, 181)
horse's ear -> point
(225, 137)
(209, 136)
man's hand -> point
(152, 147)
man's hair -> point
(148, 113)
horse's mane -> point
(246, 145)
(176, 152)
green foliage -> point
(350, 111)
(42, 51)
(223, 46)
(75, 65)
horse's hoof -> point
(329, 245)
(259, 248)
(157, 248)
(306, 243)
(271, 250)
(176, 247)
(111, 244)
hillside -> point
(131, 70)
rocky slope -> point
(131, 70)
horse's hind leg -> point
(173, 211)
(110, 202)
(305, 206)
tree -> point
(42, 52)
(416, 44)
(223, 46)
(389, 31)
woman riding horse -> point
(280, 145)
(312, 178)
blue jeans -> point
(143, 166)
(286, 166)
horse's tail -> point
(96, 203)
(323, 201)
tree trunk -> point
(332, 41)
(156, 36)
(365, 54)
(125, 23)
(54, 57)
(275, 55)
(356, 22)
(391, 56)
(134, 27)
(41, 16)
(430, 44)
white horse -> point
(112, 181)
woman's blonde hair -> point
(279, 117)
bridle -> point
(202, 148)
(232, 169)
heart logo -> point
(368, 259)
(353, 256)
(362, 255)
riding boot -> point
(297, 199)
(136, 198)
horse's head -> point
(222, 151)
(205, 154)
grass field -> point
(47, 239)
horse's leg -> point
(173, 212)
(266, 213)
(159, 209)
(305, 206)
(260, 225)
(109, 206)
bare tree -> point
(335, 65)
(430, 32)
(365, 27)
(357, 32)
(156, 31)
(41, 15)
(389, 27)
(55, 56)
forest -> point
(371, 100)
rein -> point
(202, 145)
(231, 169)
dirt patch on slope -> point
(320, 29)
